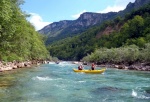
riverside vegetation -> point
(20, 44)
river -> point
(58, 83)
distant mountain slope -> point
(66, 28)
(63, 29)
(53, 28)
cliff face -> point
(133, 6)
(85, 20)
(52, 29)
(67, 28)
(139, 3)
(90, 19)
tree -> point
(18, 38)
(133, 28)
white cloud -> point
(37, 21)
(119, 5)
(112, 8)
(78, 15)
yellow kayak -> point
(91, 71)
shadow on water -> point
(6, 81)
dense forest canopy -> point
(133, 29)
(18, 38)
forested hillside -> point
(18, 38)
(134, 28)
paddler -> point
(80, 67)
(93, 66)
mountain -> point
(68, 28)
(132, 29)
(53, 28)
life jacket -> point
(93, 65)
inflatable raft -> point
(91, 71)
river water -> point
(58, 83)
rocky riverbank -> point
(7, 66)
(134, 66)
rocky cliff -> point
(53, 28)
(66, 28)
(133, 6)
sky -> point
(44, 12)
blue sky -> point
(44, 12)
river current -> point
(58, 83)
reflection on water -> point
(58, 83)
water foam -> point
(134, 94)
(81, 81)
(46, 78)
(64, 63)
(143, 97)
(51, 62)
(43, 78)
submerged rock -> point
(106, 89)
(147, 91)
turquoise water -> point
(58, 83)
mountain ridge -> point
(68, 28)
(73, 27)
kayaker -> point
(92, 66)
(80, 67)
